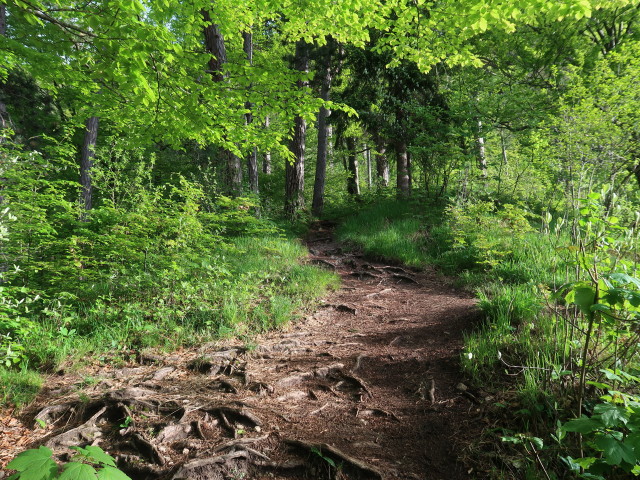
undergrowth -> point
(559, 298)
(149, 267)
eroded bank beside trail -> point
(364, 388)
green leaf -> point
(35, 464)
(584, 298)
(612, 415)
(615, 451)
(623, 278)
(78, 471)
(110, 473)
(99, 456)
(582, 425)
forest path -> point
(367, 384)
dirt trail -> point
(367, 384)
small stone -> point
(185, 451)
(462, 387)
(258, 429)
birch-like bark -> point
(382, 162)
(482, 157)
(367, 156)
(402, 159)
(266, 161)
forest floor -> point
(369, 386)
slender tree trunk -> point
(294, 171)
(330, 155)
(409, 170)
(252, 158)
(215, 46)
(382, 163)
(87, 155)
(353, 180)
(402, 184)
(266, 161)
(482, 157)
(323, 140)
(367, 155)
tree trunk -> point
(402, 185)
(252, 158)
(266, 161)
(87, 155)
(367, 155)
(353, 180)
(3, 20)
(294, 171)
(382, 163)
(323, 140)
(234, 173)
(215, 46)
(482, 157)
(409, 170)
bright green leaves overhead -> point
(139, 64)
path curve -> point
(367, 384)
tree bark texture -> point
(87, 154)
(402, 159)
(294, 171)
(3, 20)
(323, 140)
(215, 46)
(367, 154)
(353, 180)
(382, 163)
(266, 160)
(482, 157)
(252, 158)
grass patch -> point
(19, 387)
(252, 285)
(391, 230)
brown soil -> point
(367, 387)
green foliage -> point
(485, 233)
(611, 433)
(88, 463)
(152, 265)
(388, 229)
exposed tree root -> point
(364, 470)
